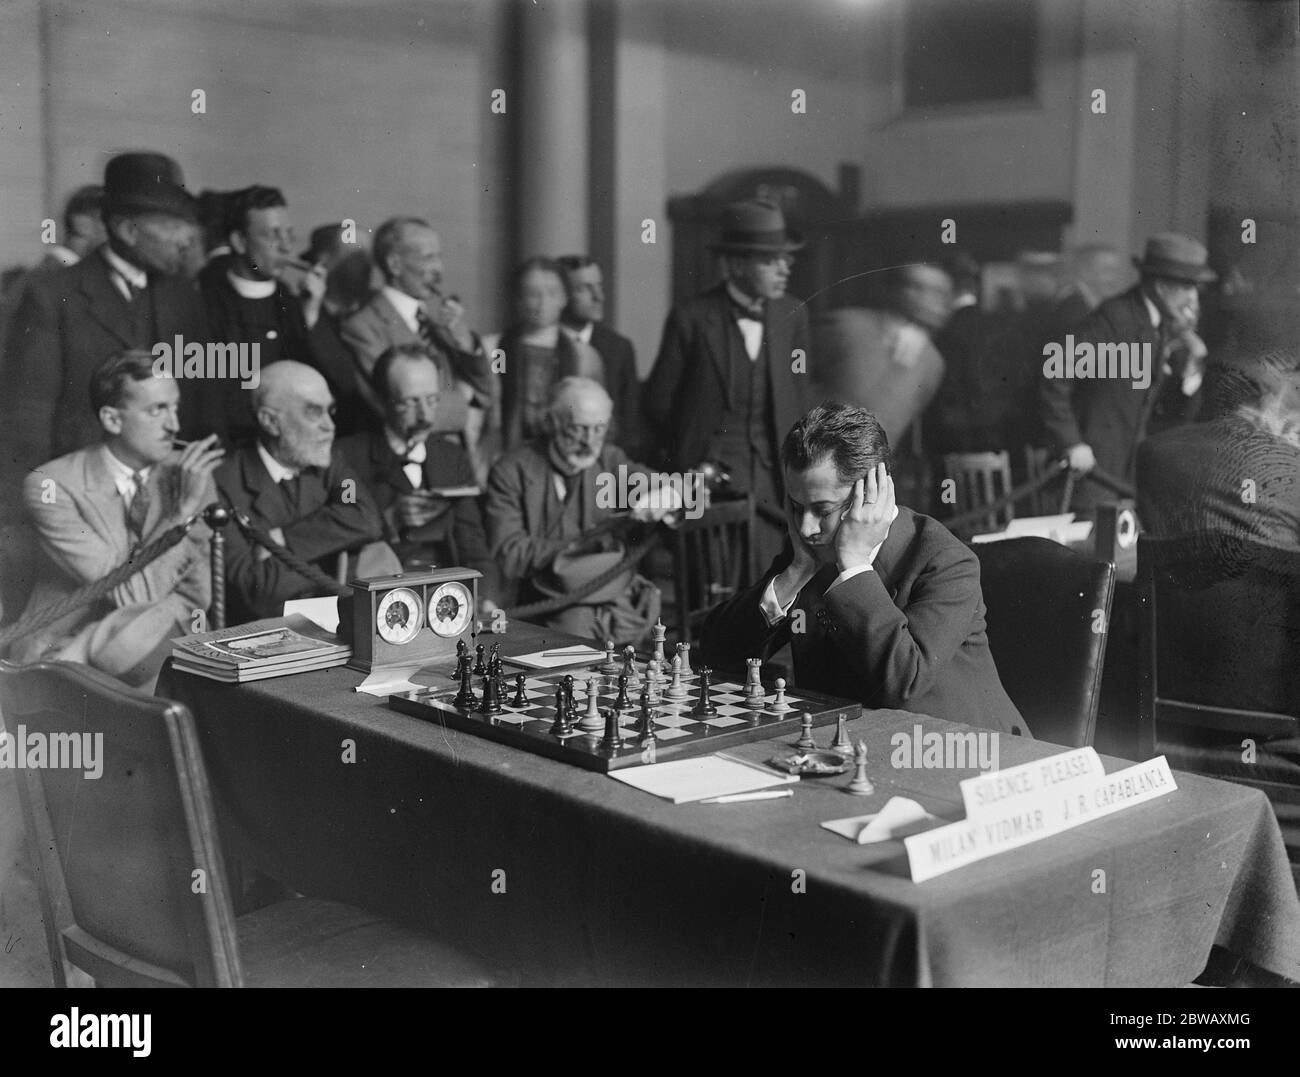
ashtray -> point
(811, 764)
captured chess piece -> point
(704, 706)
(676, 691)
(612, 741)
(779, 703)
(520, 700)
(842, 744)
(592, 721)
(861, 785)
(610, 666)
(805, 743)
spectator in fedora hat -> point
(724, 387)
(1098, 422)
(129, 293)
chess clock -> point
(412, 617)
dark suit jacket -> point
(691, 380)
(68, 322)
(445, 465)
(907, 635)
(335, 512)
(622, 384)
(1192, 478)
(1108, 413)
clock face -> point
(450, 608)
(399, 616)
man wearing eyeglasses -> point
(733, 365)
(294, 483)
(424, 485)
(249, 301)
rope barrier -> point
(259, 537)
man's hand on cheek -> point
(865, 523)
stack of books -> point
(260, 649)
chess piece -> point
(520, 699)
(479, 668)
(660, 633)
(559, 727)
(753, 683)
(465, 699)
(704, 707)
(684, 653)
(610, 666)
(491, 703)
(676, 691)
(842, 744)
(654, 682)
(612, 741)
(645, 726)
(622, 702)
(592, 721)
(629, 667)
(805, 743)
(462, 658)
(779, 703)
(861, 785)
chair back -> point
(1048, 622)
(1220, 637)
(130, 873)
(980, 478)
(713, 559)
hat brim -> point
(1180, 271)
(183, 208)
(794, 242)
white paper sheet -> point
(559, 656)
(387, 682)
(685, 780)
(321, 611)
(899, 818)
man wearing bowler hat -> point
(730, 378)
(1097, 422)
(126, 294)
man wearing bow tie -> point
(294, 483)
(732, 365)
(878, 603)
(411, 472)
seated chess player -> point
(542, 504)
(295, 483)
(93, 506)
(403, 466)
(879, 603)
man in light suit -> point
(725, 382)
(890, 601)
(94, 506)
(127, 294)
(410, 309)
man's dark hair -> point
(571, 263)
(83, 202)
(244, 202)
(850, 437)
(409, 350)
(547, 265)
(388, 237)
(108, 383)
(964, 271)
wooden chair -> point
(1220, 651)
(713, 559)
(1047, 639)
(980, 479)
(1046, 501)
(133, 889)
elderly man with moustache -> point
(408, 472)
(129, 293)
(733, 364)
(542, 507)
(411, 309)
(93, 506)
(294, 483)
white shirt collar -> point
(1153, 312)
(403, 448)
(133, 275)
(64, 255)
(123, 474)
(407, 306)
(583, 334)
(252, 289)
(278, 472)
(963, 301)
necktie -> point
(139, 507)
(415, 456)
(754, 312)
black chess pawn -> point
(462, 659)
(622, 703)
(704, 707)
(465, 699)
(480, 669)
(612, 741)
(491, 704)
(645, 726)
(520, 699)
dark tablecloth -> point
(604, 884)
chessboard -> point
(678, 733)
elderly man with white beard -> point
(294, 483)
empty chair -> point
(1048, 621)
(133, 888)
(713, 558)
(980, 478)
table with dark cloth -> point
(604, 884)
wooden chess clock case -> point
(409, 618)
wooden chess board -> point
(679, 734)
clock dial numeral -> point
(450, 609)
(399, 616)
